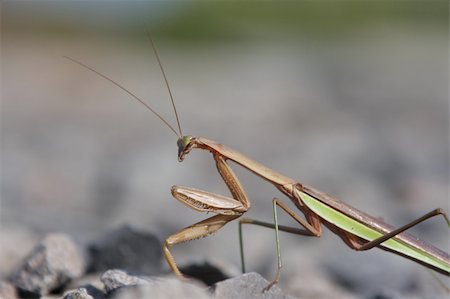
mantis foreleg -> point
(227, 208)
(196, 231)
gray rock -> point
(17, 242)
(90, 282)
(51, 264)
(165, 288)
(311, 283)
(126, 248)
(249, 285)
(114, 279)
(77, 294)
(7, 290)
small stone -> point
(77, 294)
(309, 282)
(7, 290)
(129, 249)
(164, 288)
(90, 282)
(11, 254)
(249, 285)
(114, 279)
(51, 264)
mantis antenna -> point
(130, 93)
(165, 79)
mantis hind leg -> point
(354, 244)
(311, 228)
(359, 244)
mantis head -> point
(185, 144)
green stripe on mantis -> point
(363, 231)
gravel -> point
(77, 294)
(55, 269)
(52, 263)
(126, 248)
(249, 285)
(7, 290)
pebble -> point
(126, 248)
(53, 262)
(91, 282)
(165, 288)
(249, 285)
(7, 290)
(77, 294)
(114, 279)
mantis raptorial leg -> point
(227, 208)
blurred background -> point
(350, 97)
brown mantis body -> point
(357, 229)
(228, 209)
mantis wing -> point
(403, 244)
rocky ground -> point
(127, 263)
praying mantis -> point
(357, 229)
